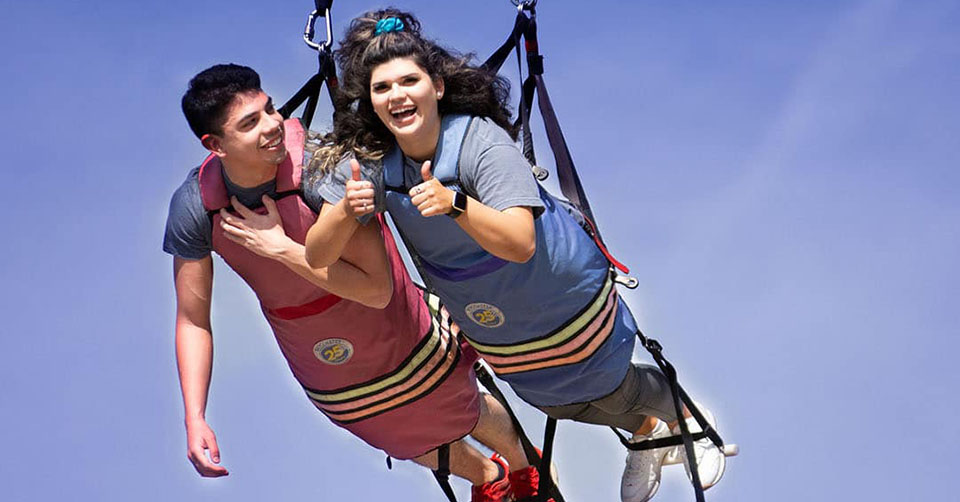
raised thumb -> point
(425, 171)
(355, 170)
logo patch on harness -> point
(486, 315)
(333, 351)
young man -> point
(358, 335)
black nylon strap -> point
(680, 398)
(570, 183)
(442, 473)
(547, 489)
(496, 60)
(323, 4)
(652, 444)
(484, 378)
(310, 91)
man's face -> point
(252, 133)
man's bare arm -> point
(193, 281)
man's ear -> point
(213, 143)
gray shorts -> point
(644, 391)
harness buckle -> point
(653, 346)
(310, 31)
(540, 173)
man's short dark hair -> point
(210, 93)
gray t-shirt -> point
(492, 170)
(189, 232)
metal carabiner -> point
(524, 4)
(309, 31)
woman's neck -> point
(423, 146)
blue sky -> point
(782, 178)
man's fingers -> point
(240, 208)
(231, 230)
(270, 204)
(425, 171)
(227, 217)
(355, 170)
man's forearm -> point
(194, 362)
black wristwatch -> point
(459, 204)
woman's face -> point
(405, 98)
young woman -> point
(533, 293)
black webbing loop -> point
(496, 60)
(547, 488)
(442, 473)
(525, 133)
(310, 92)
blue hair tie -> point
(387, 25)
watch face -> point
(460, 201)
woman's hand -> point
(359, 194)
(431, 197)
(260, 233)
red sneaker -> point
(526, 482)
(497, 490)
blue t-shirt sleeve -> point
(332, 185)
(189, 232)
(493, 168)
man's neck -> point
(250, 176)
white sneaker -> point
(711, 462)
(641, 476)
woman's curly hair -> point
(468, 89)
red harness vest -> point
(369, 370)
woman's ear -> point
(438, 83)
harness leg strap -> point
(656, 350)
(442, 474)
(547, 488)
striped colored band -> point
(427, 367)
(569, 344)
